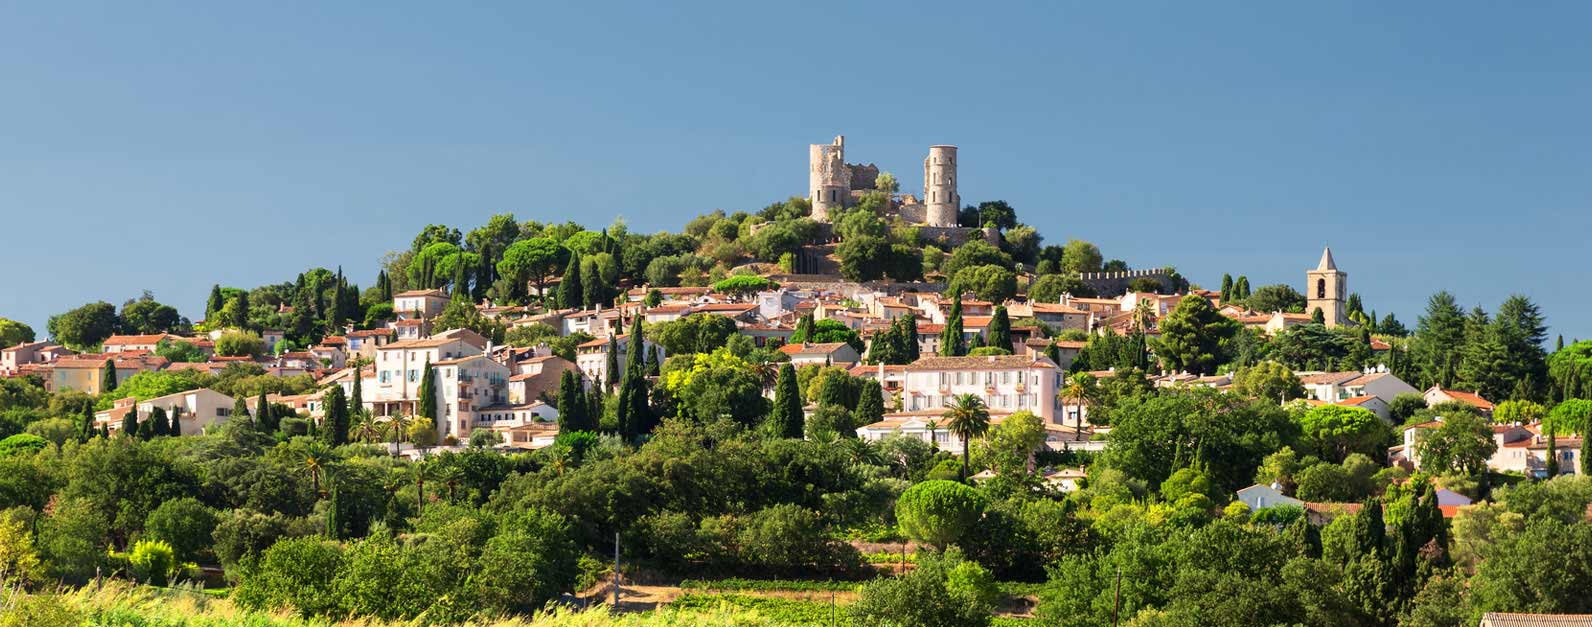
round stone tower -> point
(939, 186)
(828, 178)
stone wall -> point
(1109, 284)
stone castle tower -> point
(1325, 289)
(828, 177)
(939, 186)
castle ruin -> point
(835, 184)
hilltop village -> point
(782, 392)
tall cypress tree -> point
(952, 344)
(214, 304)
(654, 366)
(240, 411)
(241, 319)
(176, 421)
(1552, 465)
(356, 398)
(86, 425)
(634, 414)
(334, 426)
(1586, 446)
(804, 330)
(384, 286)
(263, 420)
(108, 376)
(910, 339)
(334, 513)
(130, 423)
(612, 363)
(788, 419)
(594, 291)
(1227, 288)
(870, 405)
(572, 404)
(428, 396)
(1000, 329)
(158, 424)
(571, 293)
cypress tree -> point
(1317, 316)
(635, 368)
(789, 421)
(804, 330)
(334, 513)
(1552, 465)
(105, 431)
(1303, 537)
(214, 304)
(911, 338)
(483, 275)
(571, 293)
(108, 376)
(1371, 532)
(356, 398)
(158, 424)
(240, 411)
(1241, 288)
(976, 342)
(952, 344)
(1053, 353)
(85, 425)
(654, 366)
(572, 404)
(870, 405)
(1560, 345)
(335, 422)
(593, 291)
(242, 319)
(130, 423)
(613, 360)
(1227, 287)
(384, 286)
(1000, 329)
(594, 404)
(263, 421)
(458, 286)
(176, 421)
(428, 396)
(1586, 446)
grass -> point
(784, 611)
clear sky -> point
(168, 146)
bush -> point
(295, 574)
(22, 444)
(185, 524)
(939, 512)
(152, 562)
(943, 591)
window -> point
(414, 375)
(223, 412)
(1321, 288)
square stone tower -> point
(1325, 289)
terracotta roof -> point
(1503, 619)
(334, 340)
(1471, 398)
(1356, 401)
(1327, 378)
(823, 348)
(370, 333)
(123, 340)
(980, 363)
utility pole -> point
(616, 571)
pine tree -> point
(1000, 329)
(1552, 465)
(176, 421)
(571, 293)
(214, 304)
(572, 405)
(613, 360)
(240, 411)
(335, 423)
(263, 420)
(870, 405)
(787, 417)
(1227, 288)
(108, 376)
(952, 344)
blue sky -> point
(169, 146)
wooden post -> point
(616, 571)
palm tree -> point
(367, 428)
(397, 430)
(1076, 390)
(860, 451)
(422, 471)
(449, 476)
(316, 456)
(968, 418)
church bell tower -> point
(1325, 290)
